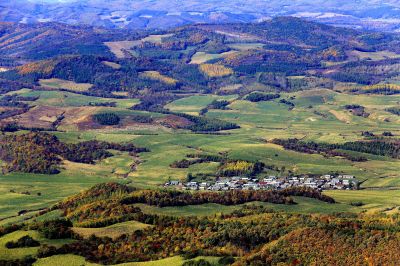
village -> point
(324, 182)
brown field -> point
(155, 75)
(80, 117)
(39, 116)
(174, 121)
(44, 116)
(64, 84)
(213, 70)
(118, 48)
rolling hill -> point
(375, 15)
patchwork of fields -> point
(318, 116)
(289, 129)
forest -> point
(376, 146)
(241, 238)
(37, 152)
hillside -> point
(45, 40)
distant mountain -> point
(26, 42)
(21, 43)
(149, 14)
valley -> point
(98, 121)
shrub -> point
(56, 229)
(226, 260)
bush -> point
(226, 260)
(57, 229)
(46, 251)
(107, 119)
(23, 242)
(387, 134)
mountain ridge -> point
(378, 15)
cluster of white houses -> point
(325, 182)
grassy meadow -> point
(73, 260)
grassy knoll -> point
(112, 231)
(373, 200)
(19, 253)
(73, 260)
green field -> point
(19, 253)
(193, 104)
(68, 99)
(73, 260)
(316, 116)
